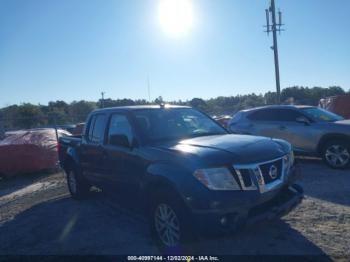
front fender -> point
(287, 147)
(72, 157)
(331, 136)
(168, 173)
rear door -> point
(264, 122)
(92, 151)
(282, 123)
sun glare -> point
(176, 17)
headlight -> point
(288, 162)
(217, 179)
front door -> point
(122, 160)
(282, 123)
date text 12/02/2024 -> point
(173, 258)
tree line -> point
(28, 115)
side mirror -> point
(119, 140)
(303, 120)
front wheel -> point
(336, 154)
(170, 223)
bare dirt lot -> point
(37, 216)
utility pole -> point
(274, 28)
(103, 99)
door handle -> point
(283, 127)
(103, 151)
(104, 154)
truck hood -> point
(242, 149)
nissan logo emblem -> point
(273, 173)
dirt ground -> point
(37, 216)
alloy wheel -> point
(167, 225)
(337, 155)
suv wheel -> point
(78, 188)
(336, 154)
(169, 223)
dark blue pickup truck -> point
(190, 174)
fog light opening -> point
(223, 221)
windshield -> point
(321, 115)
(180, 123)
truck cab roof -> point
(278, 107)
(138, 107)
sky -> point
(74, 49)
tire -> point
(77, 186)
(336, 154)
(170, 222)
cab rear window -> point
(97, 128)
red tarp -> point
(27, 151)
(337, 104)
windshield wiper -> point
(171, 138)
(207, 134)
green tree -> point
(60, 112)
(57, 112)
(7, 117)
(159, 100)
(79, 110)
(29, 116)
(270, 98)
(199, 103)
(309, 96)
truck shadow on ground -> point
(9, 185)
(322, 182)
(65, 226)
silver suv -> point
(311, 130)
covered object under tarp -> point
(337, 104)
(28, 151)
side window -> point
(91, 127)
(264, 115)
(286, 115)
(119, 125)
(97, 128)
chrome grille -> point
(264, 176)
(266, 171)
(246, 177)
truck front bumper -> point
(228, 221)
